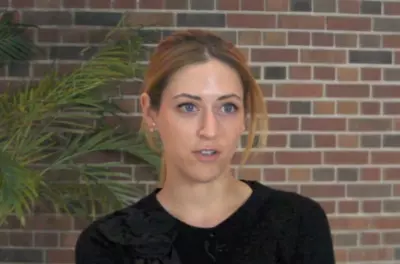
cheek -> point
(172, 128)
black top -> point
(271, 227)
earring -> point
(153, 127)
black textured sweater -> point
(271, 227)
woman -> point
(198, 94)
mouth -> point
(207, 154)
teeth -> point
(207, 152)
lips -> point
(208, 152)
(207, 155)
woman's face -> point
(200, 120)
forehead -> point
(209, 78)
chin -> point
(205, 174)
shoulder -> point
(120, 226)
(131, 227)
(290, 206)
(107, 229)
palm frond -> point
(58, 124)
(13, 44)
(18, 188)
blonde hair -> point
(194, 46)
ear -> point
(149, 114)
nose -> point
(209, 125)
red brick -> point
(299, 175)
(391, 238)
(347, 141)
(277, 107)
(348, 207)
(370, 238)
(46, 239)
(273, 5)
(299, 90)
(346, 157)
(274, 175)
(251, 21)
(323, 56)
(346, 40)
(274, 38)
(349, 223)
(341, 255)
(386, 91)
(300, 72)
(370, 124)
(254, 5)
(250, 38)
(152, 4)
(323, 124)
(346, 6)
(391, 8)
(228, 4)
(277, 141)
(68, 239)
(48, 35)
(325, 141)
(275, 55)
(253, 174)
(324, 73)
(299, 38)
(48, 3)
(288, 157)
(390, 222)
(73, 3)
(370, 108)
(385, 157)
(60, 256)
(283, 124)
(267, 90)
(347, 90)
(396, 189)
(184, 4)
(371, 74)
(347, 74)
(371, 254)
(125, 4)
(49, 222)
(301, 22)
(163, 19)
(100, 4)
(323, 39)
(391, 108)
(22, 3)
(349, 23)
(75, 35)
(324, 108)
(391, 41)
(323, 191)
(397, 57)
(257, 159)
(370, 174)
(21, 239)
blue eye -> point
(187, 107)
(229, 108)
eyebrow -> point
(198, 98)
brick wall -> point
(329, 71)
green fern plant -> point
(47, 131)
(14, 45)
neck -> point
(186, 194)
